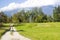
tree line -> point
(34, 15)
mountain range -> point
(46, 9)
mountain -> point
(10, 13)
(46, 9)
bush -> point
(1, 25)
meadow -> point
(4, 29)
(36, 31)
(40, 31)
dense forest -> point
(34, 15)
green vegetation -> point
(40, 31)
(35, 15)
(56, 14)
(4, 28)
(33, 24)
(1, 32)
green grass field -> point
(4, 29)
(37, 31)
(1, 31)
(40, 31)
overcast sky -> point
(7, 5)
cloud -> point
(28, 3)
(11, 6)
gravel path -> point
(13, 35)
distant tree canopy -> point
(56, 14)
(34, 15)
(3, 17)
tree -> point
(33, 15)
(56, 14)
(49, 18)
(15, 18)
(3, 18)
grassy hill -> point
(40, 31)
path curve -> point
(14, 36)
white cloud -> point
(11, 6)
(28, 3)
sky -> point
(8, 5)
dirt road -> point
(14, 35)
